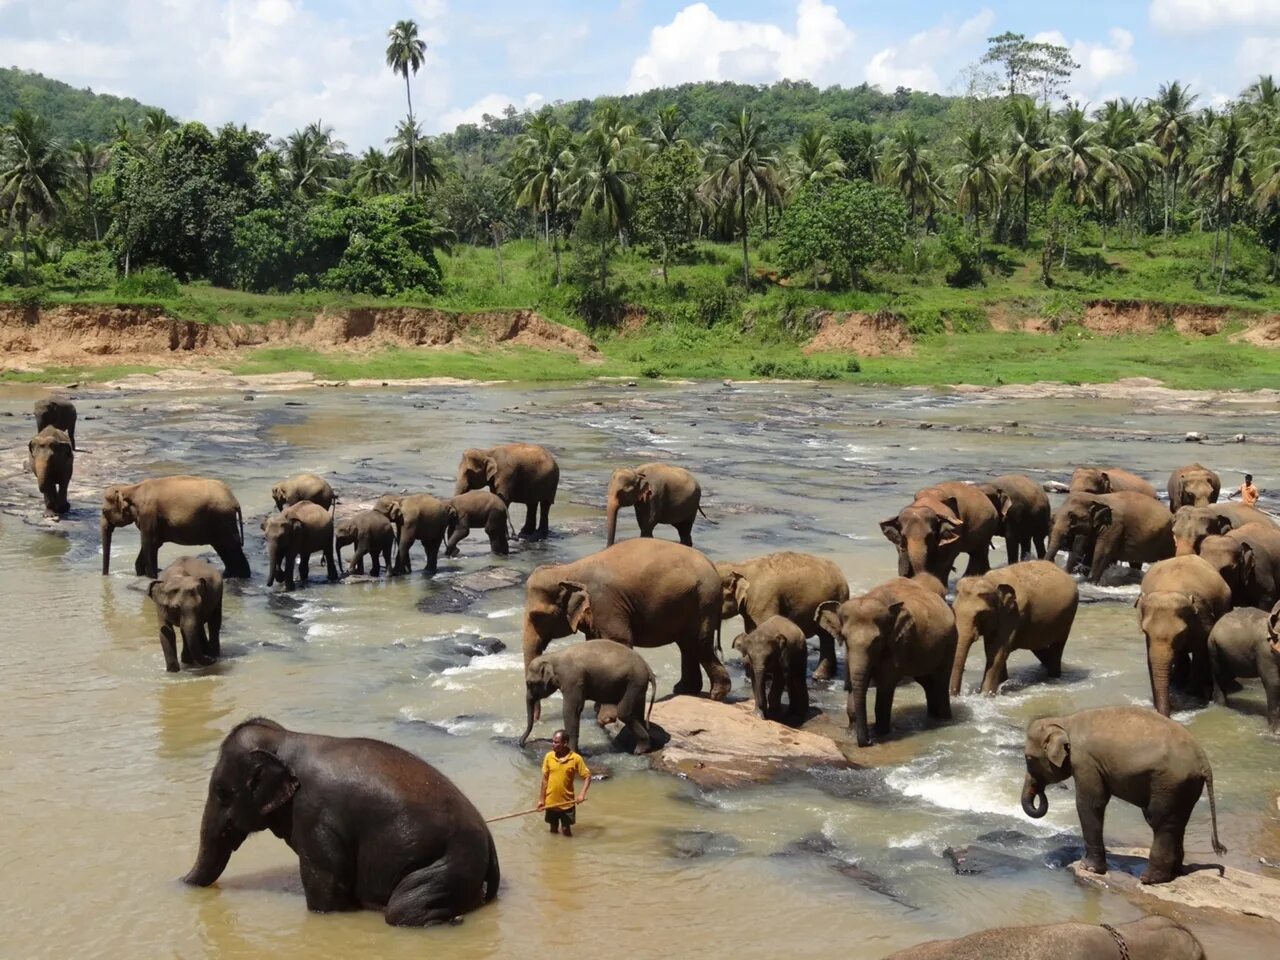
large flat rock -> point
(723, 744)
(1236, 893)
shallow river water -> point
(105, 757)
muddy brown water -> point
(105, 757)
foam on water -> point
(500, 614)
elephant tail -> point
(240, 521)
(653, 695)
(719, 648)
(1218, 848)
(493, 875)
(704, 514)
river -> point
(105, 757)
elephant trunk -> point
(40, 467)
(1034, 803)
(857, 704)
(918, 557)
(218, 840)
(1055, 543)
(758, 689)
(462, 485)
(532, 644)
(612, 518)
(1160, 660)
(967, 636)
(532, 706)
(106, 529)
(193, 637)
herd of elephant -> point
(1207, 609)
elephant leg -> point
(426, 896)
(215, 632)
(530, 521)
(357, 563)
(572, 717)
(386, 557)
(690, 672)
(1051, 657)
(432, 548)
(234, 563)
(289, 581)
(1038, 540)
(1012, 546)
(630, 711)
(403, 564)
(544, 528)
(1201, 673)
(685, 529)
(168, 644)
(140, 562)
(776, 683)
(304, 567)
(460, 532)
(937, 694)
(330, 567)
(997, 667)
(826, 668)
(1091, 808)
(325, 889)
(798, 694)
(885, 688)
(1165, 862)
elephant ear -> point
(151, 589)
(740, 586)
(1007, 599)
(295, 526)
(892, 530)
(1203, 612)
(903, 622)
(738, 644)
(575, 601)
(949, 531)
(544, 673)
(1100, 514)
(1056, 744)
(490, 470)
(828, 617)
(1220, 524)
(645, 491)
(1104, 481)
(952, 504)
(1248, 564)
(271, 783)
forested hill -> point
(72, 114)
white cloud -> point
(493, 104)
(1100, 62)
(1258, 55)
(699, 45)
(911, 65)
(1187, 16)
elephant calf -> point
(1024, 512)
(293, 535)
(52, 458)
(660, 493)
(943, 521)
(188, 597)
(303, 487)
(1244, 643)
(776, 654)
(1123, 527)
(1128, 752)
(610, 673)
(372, 534)
(1248, 558)
(1150, 938)
(419, 517)
(1192, 524)
(1025, 606)
(478, 508)
(56, 412)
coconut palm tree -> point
(1128, 160)
(405, 55)
(813, 159)
(861, 152)
(741, 166)
(308, 157)
(87, 160)
(604, 168)
(664, 128)
(1025, 145)
(33, 172)
(155, 124)
(373, 174)
(411, 155)
(908, 168)
(539, 173)
(1074, 156)
(977, 174)
(1224, 165)
(1171, 127)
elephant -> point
(898, 629)
(943, 521)
(642, 593)
(1150, 938)
(1193, 486)
(1248, 558)
(1100, 480)
(191, 511)
(1193, 524)
(1024, 606)
(776, 654)
(373, 535)
(188, 597)
(1128, 752)
(478, 508)
(1125, 527)
(303, 486)
(518, 473)
(610, 673)
(1243, 644)
(1180, 601)
(292, 536)
(418, 517)
(1024, 514)
(661, 493)
(56, 412)
(373, 825)
(785, 584)
(52, 459)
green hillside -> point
(72, 114)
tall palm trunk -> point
(1164, 174)
(746, 266)
(1226, 253)
(413, 141)
(24, 217)
(1026, 213)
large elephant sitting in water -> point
(1193, 486)
(1193, 524)
(661, 493)
(643, 593)
(1150, 938)
(1099, 480)
(1024, 511)
(1122, 527)
(518, 473)
(52, 459)
(372, 825)
(943, 521)
(192, 511)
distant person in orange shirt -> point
(1248, 492)
(559, 768)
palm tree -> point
(664, 129)
(603, 170)
(908, 168)
(539, 171)
(977, 174)
(1025, 151)
(813, 159)
(405, 54)
(861, 156)
(1128, 159)
(33, 171)
(1171, 128)
(155, 124)
(1074, 155)
(373, 174)
(87, 160)
(740, 165)
(1262, 99)
(307, 157)
(1225, 165)
(412, 156)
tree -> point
(539, 173)
(603, 172)
(308, 158)
(858, 147)
(405, 55)
(976, 174)
(1024, 151)
(664, 203)
(908, 169)
(1170, 126)
(740, 164)
(412, 157)
(1074, 155)
(813, 158)
(33, 172)
(664, 129)
(846, 225)
(1029, 65)
(373, 174)
(87, 161)
(1225, 166)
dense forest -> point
(102, 193)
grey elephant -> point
(1194, 485)
(1099, 480)
(188, 597)
(1024, 514)
(1128, 752)
(57, 412)
(900, 629)
(52, 459)
(478, 509)
(942, 522)
(610, 673)
(660, 493)
(1248, 558)
(418, 517)
(1111, 528)
(1150, 938)
(292, 536)
(1024, 606)
(371, 533)
(1245, 644)
(1179, 602)
(303, 486)
(787, 584)
(776, 657)
(1193, 524)
(518, 473)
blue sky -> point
(277, 64)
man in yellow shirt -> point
(1248, 492)
(559, 768)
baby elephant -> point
(293, 535)
(303, 486)
(51, 458)
(608, 672)
(1128, 752)
(776, 654)
(1244, 643)
(372, 534)
(478, 508)
(1150, 938)
(188, 597)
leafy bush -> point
(841, 227)
(88, 266)
(153, 282)
(803, 369)
(964, 251)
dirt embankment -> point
(77, 335)
(881, 334)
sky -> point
(279, 64)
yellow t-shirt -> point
(1249, 494)
(560, 772)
